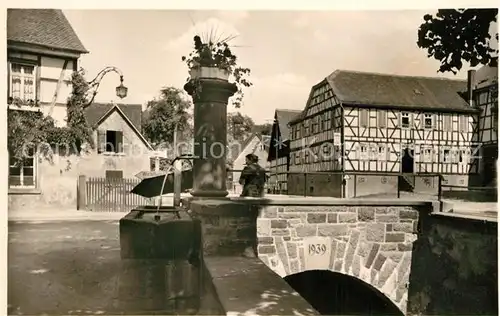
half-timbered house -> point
(485, 97)
(279, 150)
(368, 123)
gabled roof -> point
(353, 87)
(397, 91)
(284, 116)
(45, 27)
(263, 139)
(96, 113)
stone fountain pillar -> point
(228, 227)
(210, 97)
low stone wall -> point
(245, 286)
(454, 267)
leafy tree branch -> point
(456, 35)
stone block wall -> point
(454, 267)
(370, 242)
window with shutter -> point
(101, 141)
(363, 117)
(110, 141)
(119, 142)
(446, 122)
(462, 122)
(382, 118)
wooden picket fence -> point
(111, 195)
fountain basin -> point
(161, 260)
(167, 233)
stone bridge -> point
(369, 242)
(421, 260)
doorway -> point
(407, 161)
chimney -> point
(471, 83)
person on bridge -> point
(253, 177)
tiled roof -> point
(284, 116)
(96, 111)
(486, 76)
(353, 87)
(45, 27)
(397, 91)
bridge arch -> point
(333, 293)
(371, 242)
(386, 272)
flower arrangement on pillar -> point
(215, 60)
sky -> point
(287, 51)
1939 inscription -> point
(317, 252)
(317, 249)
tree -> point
(166, 115)
(454, 35)
(239, 126)
(264, 129)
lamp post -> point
(121, 90)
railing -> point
(469, 193)
(357, 184)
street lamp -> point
(121, 90)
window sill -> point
(27, 191)
(113, 154)
(24, 108)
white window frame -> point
(450, 155)
(364, 118)
(427, 154)
(382, 152)
(364, 154)
(428, 116)
(22, 176)
(465, 155)
(406, 115)
(118, 147)
(22, 76)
